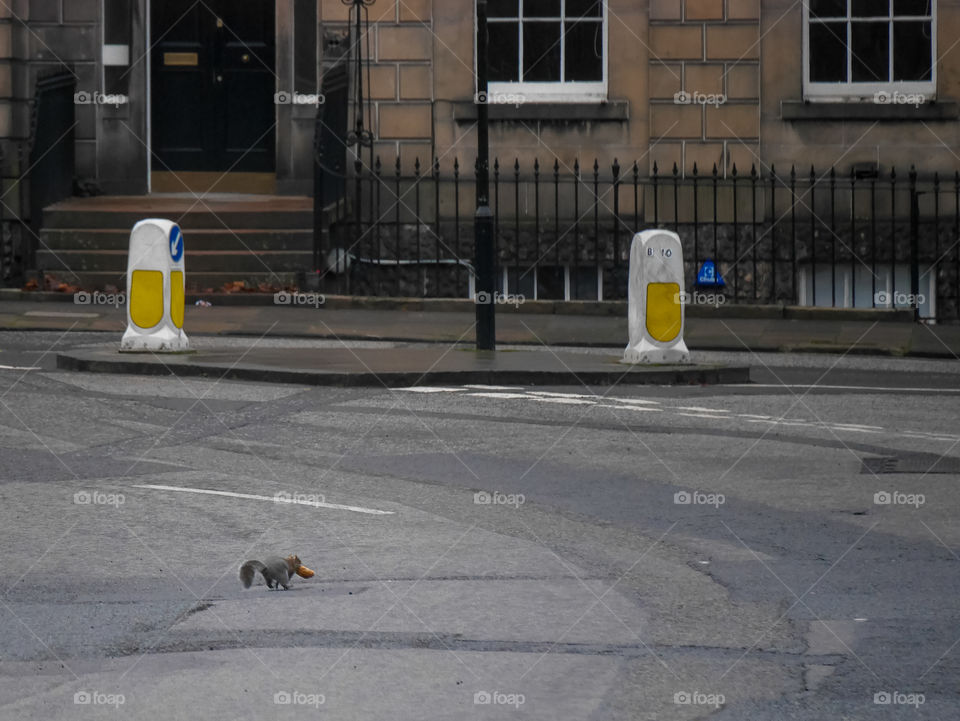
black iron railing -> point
(859, 239)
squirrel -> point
(276, 571)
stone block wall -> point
(400, 43)
(704, 84)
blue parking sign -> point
(707, 275)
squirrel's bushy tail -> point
(248, 570)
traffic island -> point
(401, 367)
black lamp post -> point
(332, 137)
(483, 220)
(360, 136)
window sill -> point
(803, 110)
(610, 110)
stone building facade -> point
(863, 87)
(741, 65)
(687, 81)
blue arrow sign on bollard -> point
(176, 244)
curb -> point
(672, 375)
(818, 349)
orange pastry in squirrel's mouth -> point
(304, 572)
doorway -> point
(213, 81)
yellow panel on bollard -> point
(177, 283)
(155, 288)
(664, 312)
(655, 305)
(146, 298)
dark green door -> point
(213, 85)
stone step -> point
(215, 213)
(191, 221)
(196, 282)
(59, 261)
(93, 239)
(229, 237)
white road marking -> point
(643, 405)
(929, 436)
(564, 401)
(841, 388)
(500, 395)
(271, 499)
(551, 394)
(852, 430)
(641, 409)
(430, 389)
(493, 388)
(20, 368)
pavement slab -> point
(481, 609)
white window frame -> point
(552, 92)
(895, 287)
(850, 91)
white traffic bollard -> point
(155, 288)
(656, 295)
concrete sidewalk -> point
(729, 328)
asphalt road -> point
(784, 550)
